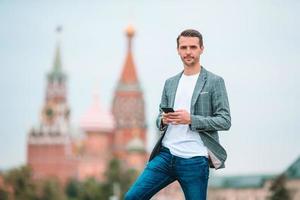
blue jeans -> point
(192, 175)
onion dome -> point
(97, 119)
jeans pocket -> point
(198, 160)
(158, 163)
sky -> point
(254, 45)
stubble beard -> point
(189, 64)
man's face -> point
(189, 50)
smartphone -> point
(167, 110)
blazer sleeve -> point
(220, 119)
(163, 103)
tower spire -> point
(130, 34)
(57, 74)
(129, 75)
(57, 60)
(56, 87)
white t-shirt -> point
(181, 141)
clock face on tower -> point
(48, 113)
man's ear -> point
(202, 48)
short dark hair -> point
(190, 33)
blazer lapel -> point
(198, 88)
(173, 89)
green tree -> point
(51, 190)
(127, 179)
(90, 190)
(20, 179)
(117, 175)
(72, 189)
(278, 189)
(118, 181)
(4, 195)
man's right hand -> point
(164, 118)
(178, 117)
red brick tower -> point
(129, 112)
(98, 126)
(49, 150)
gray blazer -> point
(209, 112)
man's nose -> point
(188, 50)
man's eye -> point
(183, 47)
(193, 47)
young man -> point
(189, 144)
